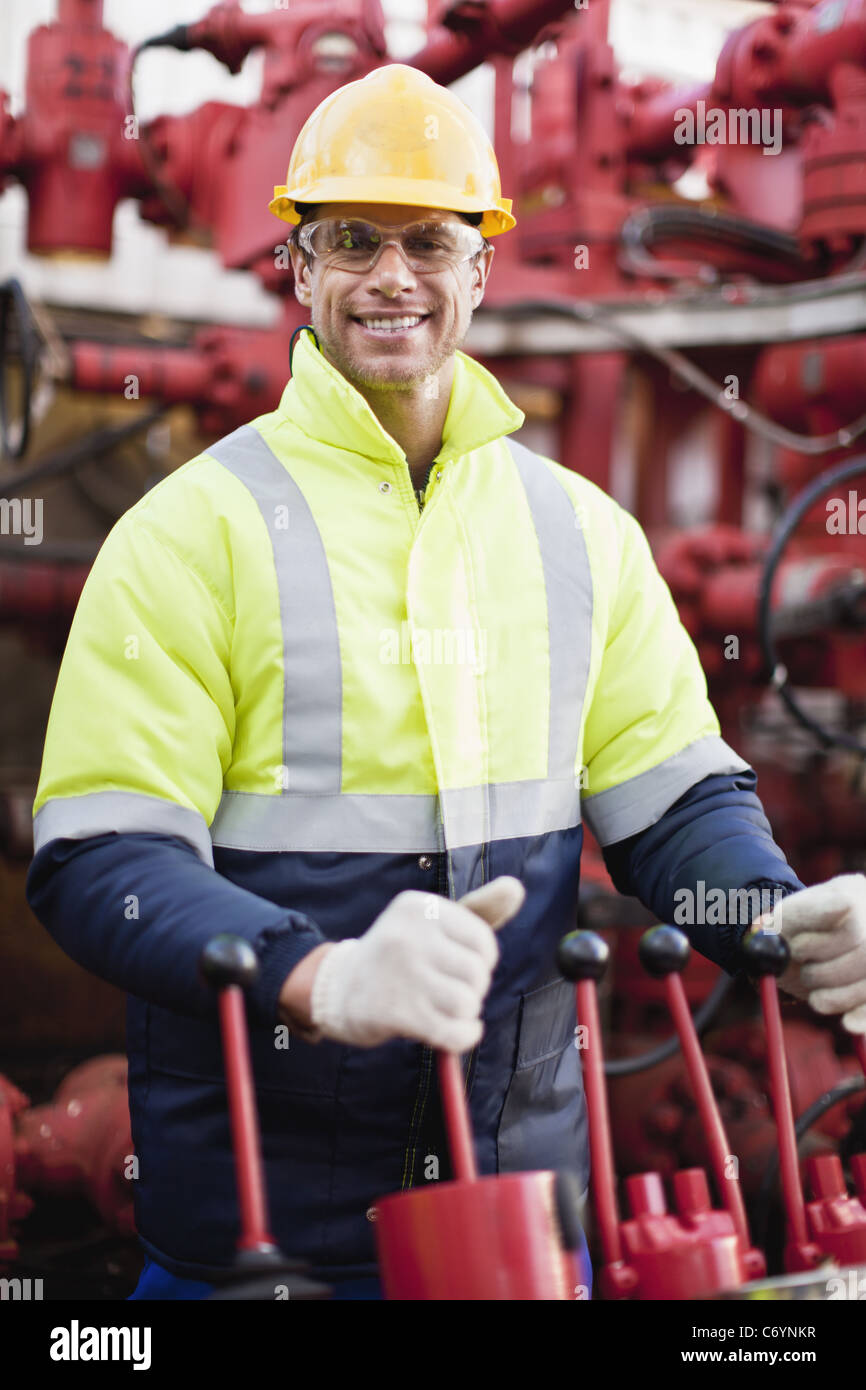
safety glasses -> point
(353, 243)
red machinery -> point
(653, 336)
(513, 1236)
(261, 1271)
(832, 1224)
(699, 1249)
(79, 1143)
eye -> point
(424, 243)
(356, 236)
(428, 239)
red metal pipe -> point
(32, 589)
(171, 373)
(457, 1117)
(652, 120)
(505, 27)
(786, 57)
(244, 1122)
(80, 13)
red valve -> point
(515, 1236)
(833, 1223)
(229, 965)
(659, 1254)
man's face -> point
(340, 299)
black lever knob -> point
(582, 955)
(664, 951)
(229, 960)
(765, 952)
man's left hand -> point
(825, 928)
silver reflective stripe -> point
(346, 822)
(311, 813)
(353, 822)
(568, 584)
(638, 803)
(312, 671)
(127, 813)
(516, 809)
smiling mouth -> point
(390, 325)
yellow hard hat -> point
(395, 136)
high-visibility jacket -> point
(281, 670)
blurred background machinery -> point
(681, 314)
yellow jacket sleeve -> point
(142, 721)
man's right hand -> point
(422, 970)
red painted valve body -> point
(677, 1256)
(837, 1221)
(493, 1239)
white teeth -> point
(393, 324)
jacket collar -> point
(328, 408)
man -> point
(359, 661)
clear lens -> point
(350, 243)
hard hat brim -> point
(423, 193)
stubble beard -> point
(392, 374)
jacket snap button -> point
(384, 487)
(425, 862)
(438, 474)
(372, 1214)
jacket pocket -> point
(543, 1121)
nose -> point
(391, 272)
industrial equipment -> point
(680, 312)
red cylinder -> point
(494, 1239)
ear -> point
(303, 285)
(480, 272)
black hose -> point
(172, 197)
(178, 38)
(809, 1117)
(791, 519)
(647, 226)
(703, 1016)
(13, 299)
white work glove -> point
(421, 971)
(825, 927)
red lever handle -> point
(582, 957)
(229, 964)
(664, 952)
(457, 1122)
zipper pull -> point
(420, 491)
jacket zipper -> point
(427, 1055)
(421, 491)
(415, 1125)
